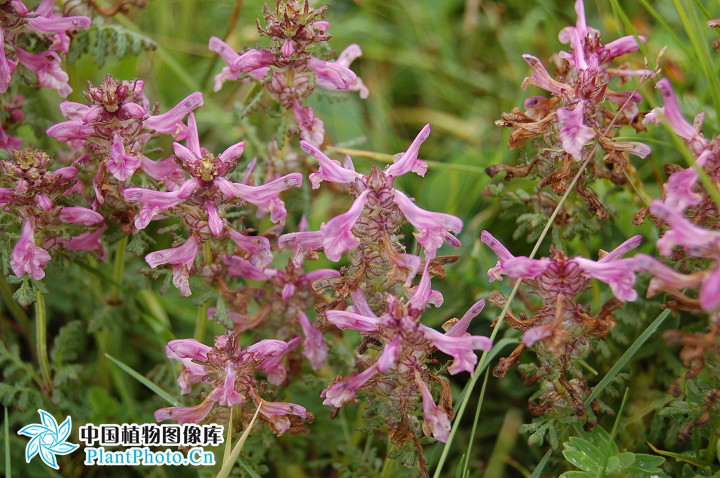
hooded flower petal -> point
(337, 233)
(460, 348)
(389, 354)
(343, 392)
(257, 246)
(171, 122)
(436, 421)
(311, 128)
(408, 160)
(671, 112)
(194, 414)
(239, 267)
(573, 133)
(265, 196)
(432, 226)
(314, 348)
(80, 215)
(330, 75)
(154, 202)
(330, 170)
(181, 258)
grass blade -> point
(228, 464)
(541, 466)
(142, 379)
(8, 466)
(627, 356)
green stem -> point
(389, 463)
(201, 322)
(118, 270)
(17, 312)
(41, 339)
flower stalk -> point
(41, 339)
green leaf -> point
(8, 465)
(576, 474)
(581, 460)
(142, 379)
(68, 343)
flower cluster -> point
(38, 199)
(287, 69)
(230, 369)
(21, 27)
(115, 128)
(576, 113)
(200, 202)
(562, 329)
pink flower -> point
(171, 122)
(181, 258)
(27, 258)
(461, 348)
(347, 56)
(154, 202)
(80, 215)
(87, 241)
(239, 267)
(257, 246)
(436, 422)
(434, 227)
(671, 112)
(337, 233)
(194, 414)
(408, 160)
(265, 196)
(574, 134)
(311, 128)
(47, 67)
(189, 352)
(330, 75)
(343, 392)
(330, 170)
(314, 348)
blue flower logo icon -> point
(48, 439)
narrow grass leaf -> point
(142, 379)
(629, 353)
(687, 459)
(541, 466)
(8, 465)
(228, 464)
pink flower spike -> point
(461, 326)
(432, 226)
(330, 170)
(337, 233)
(573, 133)
(181, 258)
(390, 354)
(239, 267)
(170, 122)
(314, 348)
(408, 160)
(352, 320)
(331, 76)
(80, 215)
(436, 422)
(27, 258)
(671, 112)
(121, 165)
(343, 392)
(257, 246)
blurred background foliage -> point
(455, 64)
